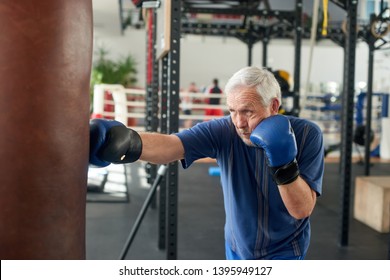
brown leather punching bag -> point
(45, 65)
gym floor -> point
(112, 213)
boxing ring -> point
(128, 105)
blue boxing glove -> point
(276, 136)
(112, 142)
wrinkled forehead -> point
(241, 96)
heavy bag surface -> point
(45, 64)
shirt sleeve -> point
(202, 141)
(311, 156)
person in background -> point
(214, 89)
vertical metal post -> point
(367, 132)
(347, 117)
(155, 78)
(343, 102)
(121, 19)
(154, 127)
(297, 62)
(164, 130)
(265, 50)
(173, 120)
(151, 120)
(388, 248)
(250, 48)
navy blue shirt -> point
(258, 224)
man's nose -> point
(241, 121)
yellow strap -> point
(325, 22)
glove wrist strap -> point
(286, 174)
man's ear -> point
(275, 106)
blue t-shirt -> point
(257, 224)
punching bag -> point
(45, 65)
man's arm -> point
(298, 198)
(161, 148)
(276, 137)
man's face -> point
(247, 111)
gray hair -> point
(254, 77)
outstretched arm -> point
(161, 148)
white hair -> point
(254, 77)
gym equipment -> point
(112, 142)
(214, 171)
(109, 184)
(96, 180)
(380, 24)
(284, 80)
(384, 149)
(46, 58)
(359, 137)
(160, 174)
(275, 135)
